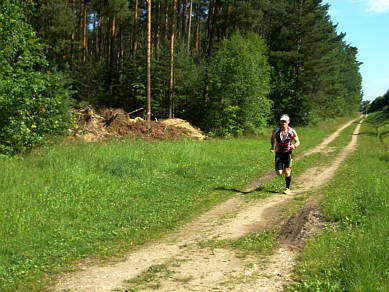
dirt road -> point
(181, 263)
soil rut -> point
(186, 266)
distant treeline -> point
(377, 104)
(227, 66)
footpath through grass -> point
(355, 255)
(65, 203)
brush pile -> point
(108, 123)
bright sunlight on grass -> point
(354, 256)
(65, 203)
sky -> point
(366, 24)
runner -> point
(284, 136)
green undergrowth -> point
(355, 255)
(61, 204)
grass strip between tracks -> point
(354, 256)
(65, 203)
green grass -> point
(61, 204)
(149, 278)
(354, 256)
(252, 243)
(380, 122)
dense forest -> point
(227, 66)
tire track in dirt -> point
(192, 268)
(279, 270)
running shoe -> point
(287, 191)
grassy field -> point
(61, 204)
(354, 256)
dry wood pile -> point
(179, 123)
(93, 127)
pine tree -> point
(171, 76)
(148, 110)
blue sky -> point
(366, 24)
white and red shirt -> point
(284, 139)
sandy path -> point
(191, 268)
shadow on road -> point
(240, 192)
(232, 190)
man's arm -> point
(272, 139)
(296, 142)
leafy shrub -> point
(228, 123)
(240, 78)
(34, 103)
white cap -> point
(284, 118)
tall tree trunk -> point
(197, 33)
(85, 43)
(134, 34)
(148, 63)
(94, 40)
(184, 12)
(213, 26)
(97, 40)
(211, 8)
(171, 79)
(219, 32)
(73, 35)
(121, 55)
(101, 37)
(190, 23)
(166, 29)
(178, 17)
(227, 27)
(299, 36)
(158, 30)
(108, 39)
(112, 57)
(80, 32)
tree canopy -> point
(239, 85)
(227, 66)
(379, 103)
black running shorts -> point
(283, 160)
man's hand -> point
(271, 150)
